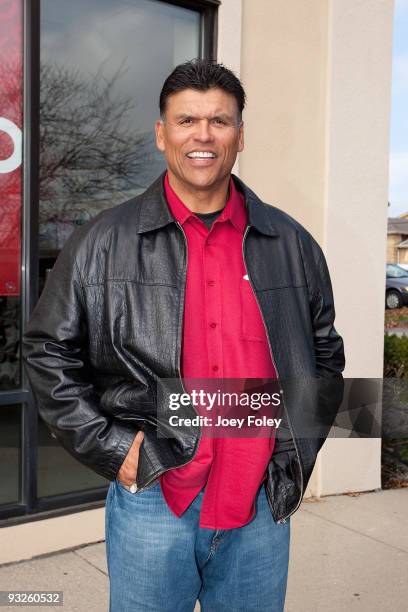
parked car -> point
(396, 291)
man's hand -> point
(128, 469)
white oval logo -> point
(14, 161)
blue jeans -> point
(158, 562)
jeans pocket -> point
(123, 487)
(126, 489)
(120, 484)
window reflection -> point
(9, 342)
(102, 67)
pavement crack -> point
(356, 531)
(89, 563)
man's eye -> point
(218, 121)
(187, 121)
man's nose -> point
(203, 132)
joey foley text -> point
(224, 400)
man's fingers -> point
(127, 474)
(139, 438)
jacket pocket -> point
(252, 326)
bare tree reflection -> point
(90, 156)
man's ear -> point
(159, 127)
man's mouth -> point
(201, 155)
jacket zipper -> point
(283, 518)
(151, 482)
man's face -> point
(200, 137)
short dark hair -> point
(202, 75)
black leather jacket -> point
(108, 328)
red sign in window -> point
(11, 84)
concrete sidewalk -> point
(348, 552)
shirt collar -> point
(234, 210)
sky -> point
(398, 183)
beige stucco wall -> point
(284, 69)
(230, 41)
(318, 78)
(229, 34)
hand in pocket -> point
(128, 470)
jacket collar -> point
(259, 213)
(155, 213)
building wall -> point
(318, 77)
(229, 34)
(392, 241)
(284, 69)
(402, 256)
(230, 41)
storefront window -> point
(10, 190)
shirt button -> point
(213, 325)
(211, 283)
(215, 368)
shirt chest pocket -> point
(252, 326)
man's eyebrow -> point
(223, 116)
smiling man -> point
(200, 134)
(194, 278)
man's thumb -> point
(139, 437)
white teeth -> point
(201, 154)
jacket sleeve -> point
(56, 361)
(328, 345)
(326, 391)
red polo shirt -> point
(223, 337)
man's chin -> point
(205, 183)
